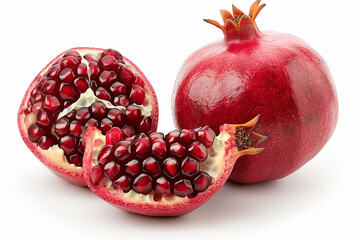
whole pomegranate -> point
(251, 72)
(170, 175)
(82, 87)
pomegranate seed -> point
(198, 151)
(92, 122)
(156, 135)
(98, 110)
(105, 154)
(123, 183)
(132, 167)
(206, 136)
(133, 115)
(126, 76)
(41, 83)
(145, 125)
(91, 58)
(96, 175)
(82, 114)
(151, 166)
(142, 146)
(73, 53)
(189, 167)
(67, 75)
(183, 188)
(202, 182)
(159, 148)
(171, 167)
(187, 136)
(177, 150)
(76, 160)
(116, 116)
(105, 125)
(118, 88)
(102, 94)
(128, 131)
(66, 92)
(93, 85)
(49, 88)
(46, 141)
(53, 72)
(114, 136)
(121, 100)
(137, 95)
(82, 70)
(82, 84)
(162, 187)
(173, 136)
(75, 128)
(36, 98)
(35, 132)
(43, 119)
(51, 104)
(139, 81)
(142, 184)
(107, 77)
(81, 146)
(122, 150)
(108, 63)
(68, 144)
(70, 114)
(70, 62)
(113, 53)
(94, 70)
(57, 61)
(35, 90)
(130, 139)
(62, 127)
(37, 106)
(112, 170)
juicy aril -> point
(159, 175)
(82, 87)
(251, 72)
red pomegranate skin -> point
(273, 74)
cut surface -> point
(136, 177)
(81, 87)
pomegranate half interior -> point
(159, 175)
(82, 87)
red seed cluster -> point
(62, 84)
(153, 163)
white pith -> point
(213, 165)
(55, 153)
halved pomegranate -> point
(159, 175)
(82, 87)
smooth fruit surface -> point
(250, 72)
(79, 88)
(165, 176)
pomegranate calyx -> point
(238, 25)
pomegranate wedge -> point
(170, 175)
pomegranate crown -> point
(239, 23)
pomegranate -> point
(82, 87)
(159, 175)
(251, 72)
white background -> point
(320, 201)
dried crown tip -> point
(233, 21)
